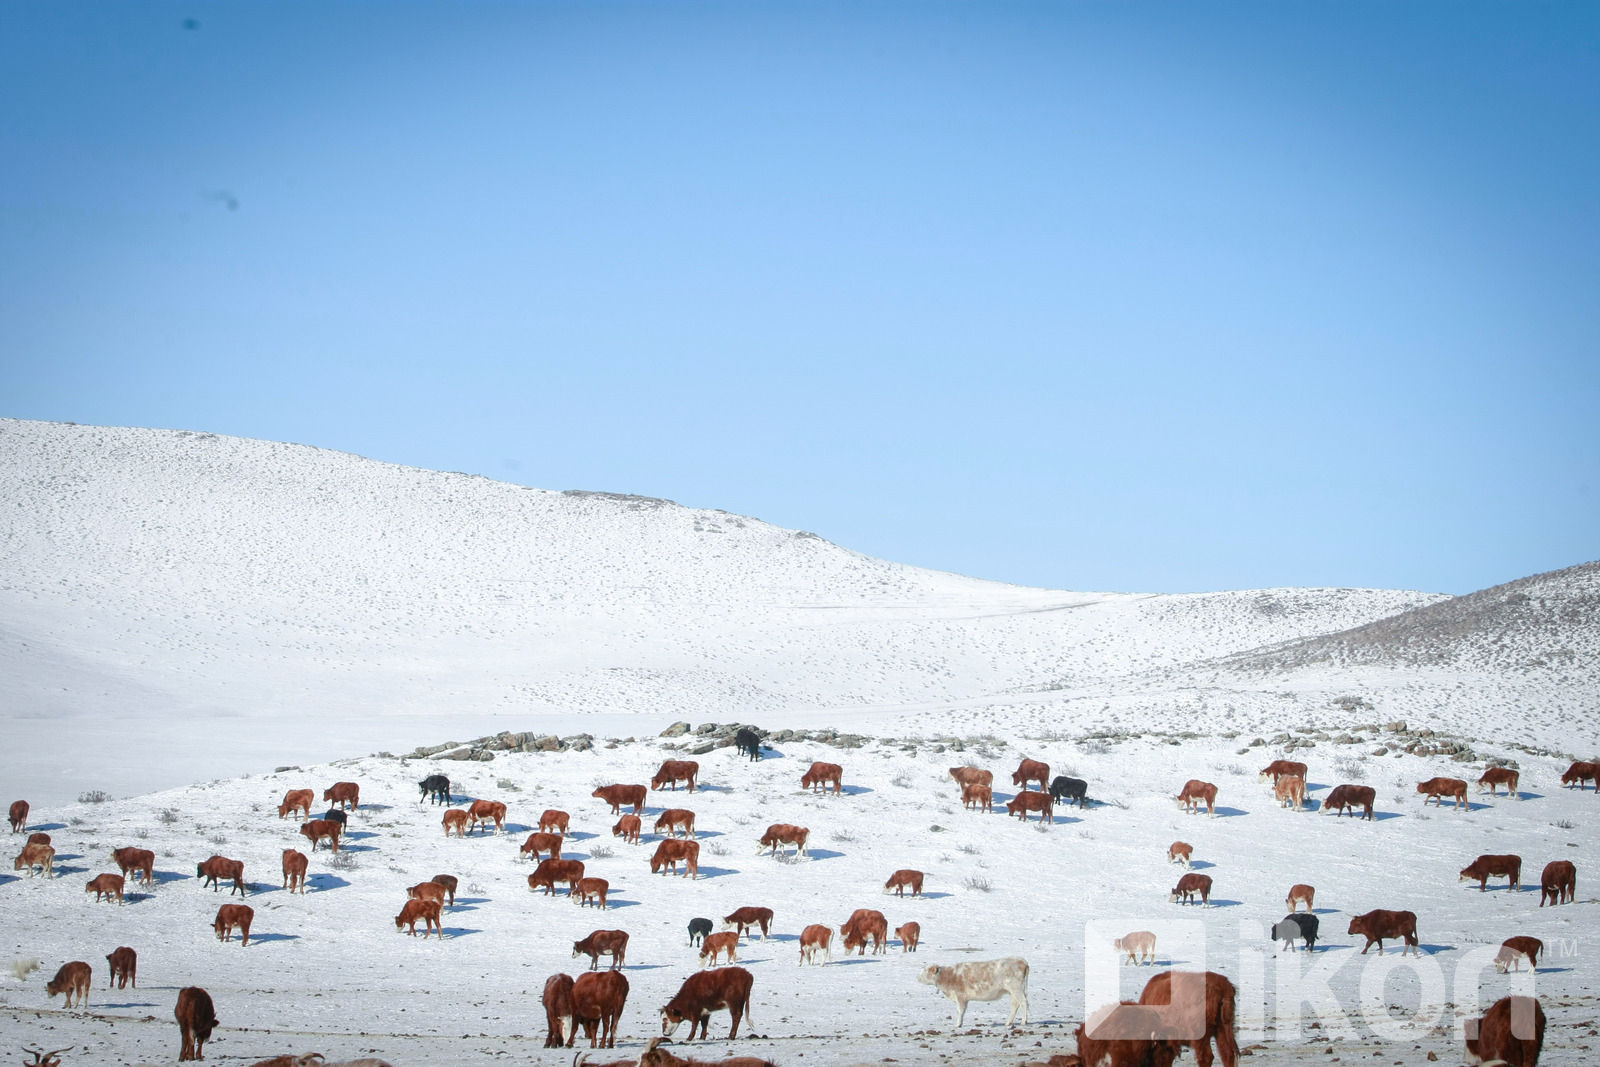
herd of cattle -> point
(1119, 1036)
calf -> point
(1140, 946)
(783, 833)
(1351, 797)
(1301, 924)
(1485, 867)
(1065, 789)
(485, 812)
(1119, 1035)
(1188, 886)
(747, 918)
(196, 1019)
(449, 882)
(554, 820)
(19, 816)
(541, 842)
(38, 837)
(748, 742)
(1436, 789)
(909, 935)
(1290, 791)
(435, 787)
(1179, 852)
(1027, 801)
(705, 992)
(216, 868)
(1280, 768)
(620, 796)
(427, 911)
(296, 800)
(1376, 926)
(72, 980)
(613, 943)
(670, 851)
(549, 872)
(977, 796)
(1581, 772)
(1217, 1000)
(1300, 893)
(820, 775)
(674, 819)
(104, 886)
(590, 889)
(40, 856)
(140, 861)
(344, 794)
(294, 870)
(1031, 770)
(124, 964)
(902, 880)
(597, 1002)
(557, 1001)
(627, 828)
(813, 939)
(426, 891)
(982, 980)
(1513, 950)
(698, 929)
(1511, 1032)
(1498, 776)
(1194, 792)
(673, 771)
(321, 830)
(234, 915)
(715, 944)
(455, 819)
(863, 925)
(1558, 883)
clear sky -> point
(1122, 296)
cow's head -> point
(930, 975)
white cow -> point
(982, 980)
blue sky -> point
(1131, 296)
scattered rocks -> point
(677, 729)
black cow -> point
(1301, 924)
(748, 742)
(337, 815)
(436, 786)
(1064, 789)
(698, 929)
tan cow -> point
(977, 796)
(140, 861)
(295, 864)
(714, 944)
(909, 934)
(783, 833)
(820, 775)
(1179, 852)
(590, 889)
(627, 828)
(1194, 793)
(40, 856)
(673, 771)
(554, 820)
(902, 880)
(813, 939)
(104, 886)
(1140, 947)
(1300, 893)
(1436, 789)
(342, 794)
(670, 851)
(297, 800)
(73, 980)
(541, 842)
(455, 819)
(427, 911)
(1498, 776)
(485, 812)
(1030, 770)
(230, 916)
(672, 820)
(1290, 791)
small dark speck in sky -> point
(191, 24)
(222, 196)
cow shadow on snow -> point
(1229, 813)
(855, 960)
(715, 872)
(857, 790)
(579, 835)
(163, 877)
(355, 835)
(467, 902)
(823, 854)
(269, 938)
(460, 931)
(321, 883)
(1385, 816)
(130, 1004)
(357, 848)
(1200, 865)
(44, 827)
(930, 895)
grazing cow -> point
(1065, 789)
(1375, 926)
(1183, 990)
(297, 800)
(426, 891)
(1579, 773)
(1031, 770)
(19, 816)
(620, 796)
(613, 943)
(673, 771)
(783, 833)
(1290, 790)
(455, 819)
(1280, 768)
(597, 1002)
(655, 1056)
(1188, 886)
(587, 889)
(427, 911)
(549, 872)
(196, 1019)
(104, 886)
(1558, 883)
(974, 795)
(748, 742)
(72, 980)
(863, 925)
(1513, 950)
(627, 828)
(670, 851)
(124, 964)
(554, 821)
(813, 939)
(1511, 1033)
(909, 935)
(672, 820)
(321, 830)
(294, 870)
(485, 812)
(234, 915)
(140, 861)
(38, 837)
(1179, 852)
(698, 929)
(1300, 892)
(902, 880)
(1437, 789)
(542, 842)
(1498, 776)
(820, 775)
(344, 794)
(1194, 791)
(972, 776)
(449, 882)
(704, 992)
(1140, 946)
(1485, 867)
(715, 944)
(1352, 797)
(1301, 924)
(557, 1001)
(40, 856)
(435, 787)
(217, 868)
(1029, 800)
(1118, 1035)
(982, 980)
(747, 918)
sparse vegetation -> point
(977, 883)
(1094, 748)
(219, 838)
(602, 852)
(167, 816)
(1354, 770)
(968, 848)
(844, 837)
(903, 780)
(94, 796)
(717, 848)
(343, 861)
(1564, 824)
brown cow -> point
(1558, 883)
(426, 891)
(673, 771)
(597, 1002)
(449, 882)
(746, 918)
(783, 833)
(230, 916)
(903, 879)
(1513, 950)
(40, 856)
(713, 945)
(1290, 791)
(549, 872)
(1031, 770)
(73, 980)
(1375, 926)
(1511, 1032)
(39, 837)
(124, 964)
(1300, 892)
(297, 800)
(543, 842)
(554, 820)
(1194, 791)
(1179, 852)
(343, 794)
(557, 1001)
(813, 939)
(1118, 1035)
(140, 861)
(19, 816)
(294, 870)
(909, 935)
(427, 911)
(817, 778)
(620, 796)
(321, 830)
(196, 1019)
(104, 886)
(655, 1056)
(1485, 867)
(217, 868)
(613, 943)
(486, 811)
(674, 819)
(1437, 789)
(978, 796)
(1278, 768)
(865, 924)
(670, 851)
(627, 828)
(587, 889)
(455, 819)
(1351, 797)
(1188, 886)
(1029, 800)
(1581, 772)
(1183, 991)
(1498, 776)
(972, 776)
(705, 992)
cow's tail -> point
(1227, 1042)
